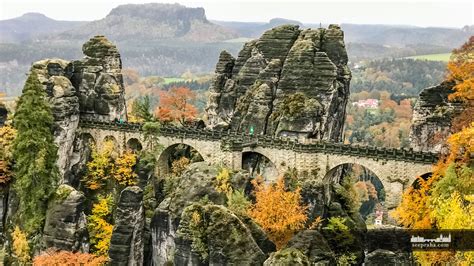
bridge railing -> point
(238, 140)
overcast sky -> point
(455, 13)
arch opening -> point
(369, 188)
(425, 176)
(115, 145)
(174, 153)
(258, 164)
(134, 144)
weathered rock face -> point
(288, 82)
(55, 76)
(432, 117)
(99, 81)
(127, 242)
(218, 237)
(313, 245)
(88, 88)
(65, 225)
(196, 187)
(386, 257)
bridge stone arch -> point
(396, 176)
(259, 163)
(134, 144)
(163, 163)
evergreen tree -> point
(35, 155)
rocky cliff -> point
(287, 82)
(432, 118)
(91, 88)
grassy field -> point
(432, 57)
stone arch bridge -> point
(397, 169)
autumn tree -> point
(446, 199)
(7, 136)
(62, 257)
(99, 226)
(176, 105)
(20, 247)
(35, 155)
(123, 171)
(277, 211)
(101, 167)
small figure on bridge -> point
(251, 130)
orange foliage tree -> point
(176, 105)
(446, 200)
(53, 257)
(277, 211)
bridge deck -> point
(236, 141)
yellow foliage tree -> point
(7, 135)
(20, 246)
(100, 229)
(277, 211)
(101, 167)
(461, 71)
(178, 166)
(222, 183)
(123, 170)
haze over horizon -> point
(420, 13)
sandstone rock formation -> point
(127, 242)
(88, 88)
(432, 117)
(65, 225)
(288, 82)
(171, 236)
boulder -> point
(288, 82)
(217, 237)
(287, 257)
(314, 246)
(196, 184)
(432, 117)
(386, 257)
(65, 224)
(127, 242)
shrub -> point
(20, 247)
(237, 202)
(222, 183)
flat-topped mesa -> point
(289, 82)
(99, 81)
(432, 118)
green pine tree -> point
(35, 155)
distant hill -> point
(170, 39)
(152, 22)
(32, 26)
(403, 36)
